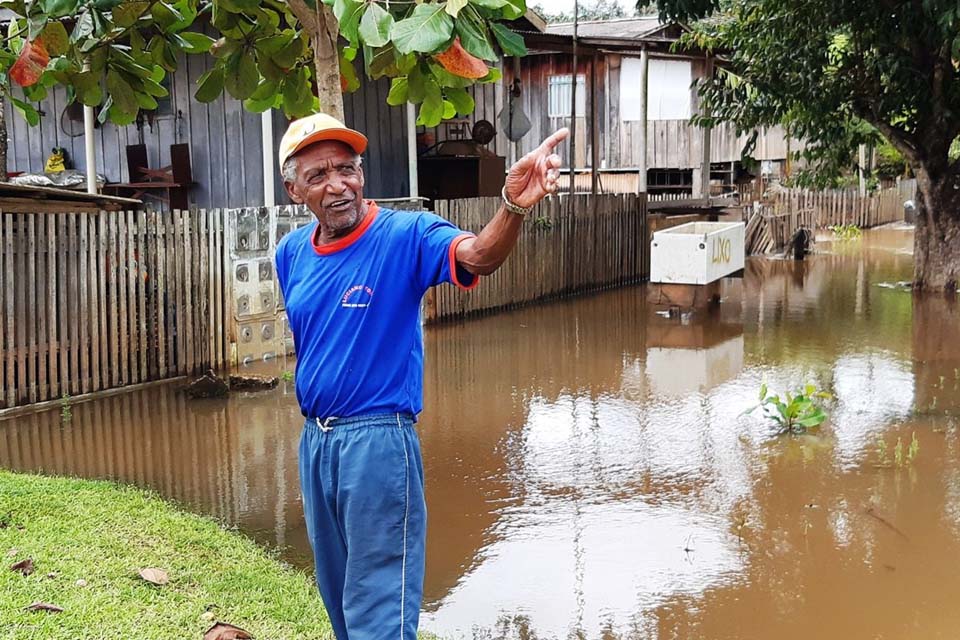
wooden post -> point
(594, 129)
(573, 105)
(644, 86)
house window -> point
(165, 104)
(559, 96)
(668, 89)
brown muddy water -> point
(590, 475)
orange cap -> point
(316, 128)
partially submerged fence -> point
(569, 244)
(90, 301)
(772, 224)
(93, 301)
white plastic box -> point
(697, 252)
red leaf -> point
(461, 62)
(31, 63)
(44, 606)
(24, 566)
(224, 631)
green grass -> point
(104, 534)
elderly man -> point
(352, 283)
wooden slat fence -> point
(771, 224)
(569, 244)
(91, 301)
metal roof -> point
(621, 28)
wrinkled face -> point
(330, 182)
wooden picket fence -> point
(772, 224)
(91, 301)
(569, 244)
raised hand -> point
(535, 174)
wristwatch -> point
(513, 208)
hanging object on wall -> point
(513, 121)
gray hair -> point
(289, 168)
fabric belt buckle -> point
(324, 425)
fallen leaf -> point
(24, 566)
(224, 631)
(81, 582)
(13, 552)
(31, 63)
(208, 616)
(154, 576)
(44, 606)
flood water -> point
(590, 475)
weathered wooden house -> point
(232, 152)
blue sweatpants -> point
(362, 484)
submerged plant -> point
(901, 458)
(795, 412)
(287, 376)
(846, 232)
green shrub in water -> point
(846, 232)
(901, 458)
(795, 412)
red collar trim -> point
(349, 239)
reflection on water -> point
(590, 472)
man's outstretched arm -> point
(528, 181)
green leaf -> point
(270, 71)
(380, 62)
(494, 76)
(210, 85)
(83, 27)
(59, 8)
(398, 92)
(154, 88)
(165, 15)
(763, 391)
(90, 96)
(348, 14)
(120, 117)
(241, 76)
(473, 37)
(127, 13)
(31, 115)
(514, 9)
(375, 26)
(427, 30)
(454, 7)
(288, 55)
(297, 98)
(197, 42)
(240, 6)
(448, 110)
(146, 101)
(415, 86)
(55, 38)
(259, 106)
(462, 101)
(266, 89)
(431, 111)
(348, 53)
(124, 98)
(489, 4)
(510, 41)
(447, 79)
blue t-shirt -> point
(354, 310)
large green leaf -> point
(510, 41)
(348, 13)
(514, 9)
(398, 92)
(124, 99)
(288, 55)
(462, 101)
(240, 75)
(489, 4)
(431, 110)
(127, 13)
(55, 39)
(197, 42)
(453, 7)
(58, 8)
(165, 15)
(427, 30)
(31, 115)
(473, 37)
(210, 85)
(375, 26)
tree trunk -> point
(323, 28)
(3, 137)
(936, 252)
